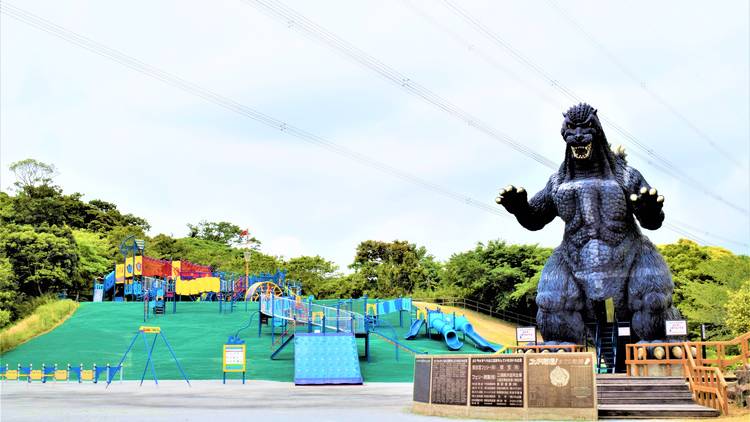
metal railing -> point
(304, 312)
(484, 308)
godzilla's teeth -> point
(581, 152)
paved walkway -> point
(206, 400)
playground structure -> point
(326, 351)
(142, 332)
(158, 281)
(447, 326)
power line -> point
(676, 226)
(472, 48)
(642, 84)
(310, 29)
(295, 20)
(231, 105)
(517, 55)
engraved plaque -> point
(561, 380)
(497, 381)
(449, 378)
(422, 369)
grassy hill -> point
(100, 333)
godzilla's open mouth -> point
(581, 152)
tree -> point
(32, 173)
(8, 291)
(738, 310)
(222, 232)
(93, 257)
(314, 272)
(395, 268)
(705, 278)
(43, 259)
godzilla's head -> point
(582, 131)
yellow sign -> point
(233, 358)
(147, 330)
(317, 315)
(372, 307)
(87, 375)
(120, 273)
(11, 374)
(36, 374)
(176, 268)
(61, 375)
(129, 266)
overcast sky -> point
(174, 158)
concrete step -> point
(609, 411)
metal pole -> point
(174, 357)
(148, 360)
(119, 365)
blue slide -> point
(109, 281)
(414, 329)
(463, 325)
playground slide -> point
(438, 322)
(109, 281)
(463, 325)
(414, 329)
(480, 342)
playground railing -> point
(484, 308)
(303, 312)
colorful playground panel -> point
(326, 358)
(233, 358)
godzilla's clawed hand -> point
(513, 199)
(647, 200)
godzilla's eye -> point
(569, 126)
(589, 124)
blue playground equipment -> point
(443, 324)
(142, 332)
(448, 326)
(416, 325)
(324, 337)
(326, 358)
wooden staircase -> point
(647, 397)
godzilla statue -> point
(603, 254)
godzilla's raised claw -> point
(512, 198)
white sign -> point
(623, 331)
(526, 334)
(235, 356)
(676, 327)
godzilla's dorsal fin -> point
(620, 153)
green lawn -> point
(100, 332)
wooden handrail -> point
(637, 359)
(707, 383)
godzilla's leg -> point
(560, 302)
(650, 293)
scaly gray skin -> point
(603, 253)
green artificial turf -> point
(100, 333)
